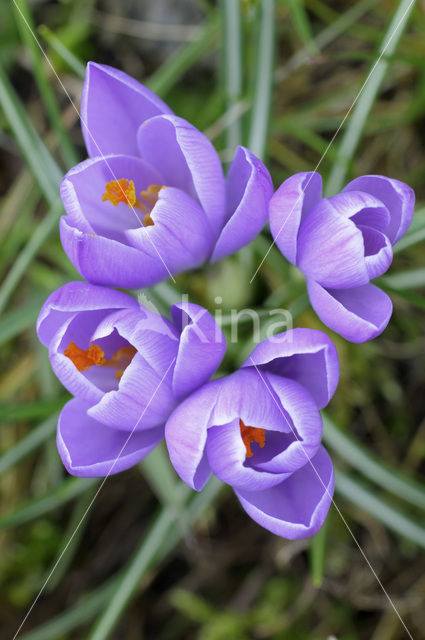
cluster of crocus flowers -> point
(152, 201)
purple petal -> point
(247, 395)
(358, 314)
(61, 305)
(148, 332)
(186, 159)
(201, 348)
(186, 435)
(289, 205)
(305, 355)
(378, 251)
(302, 421)
(397, 196)
(104, 261)
(151, 334)
(297, 507)
(330, 246)
(180, 233)
(113, 106)
(249, 189)
(289, 443)
(84, 185)
(261, 401)
(77, 329)
(362, 208)
(143, 400)
(89, 449)
(226, 456)
(144, 395)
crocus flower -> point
(127, 367)
(259, 430)
(152, 200)
(341, 244)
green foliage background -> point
(151, 559)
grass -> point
(150, 558)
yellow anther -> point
(120, 191)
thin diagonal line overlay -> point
(333, 138)
(92, 501)
(91, 137)
(334, 504)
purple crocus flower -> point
(127, 368)
(341, 244)
(152, 201)
(259, 430)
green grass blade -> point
(88, 606)
(302, 26)
(409, 279)
(42, 164)
(27, 30)
(410, 296)
(337, 27)
(161, 477)
(367, 98)
(368, 501)
(318, 553)
(232, 63)
(92, 603)
(20, 265)
(29, 443)
(361, 460)
(128, 583)
(172, 70)
(264, 80)
(415, 233)
(161, 538)
(42, 408)
(53, 499)
(62, 51)
(410, 240)
(71, 540)
(15, 322)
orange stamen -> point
(121, 358)
(150, 195)
(250, 435)
(147, 220)
(94, 355)
(123, 190)
(120, 191)
(83, 360)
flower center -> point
(123, 190)
(250, 435)
(94, 355)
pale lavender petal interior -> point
(83, 188)
(378, 251)
(397, 196)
